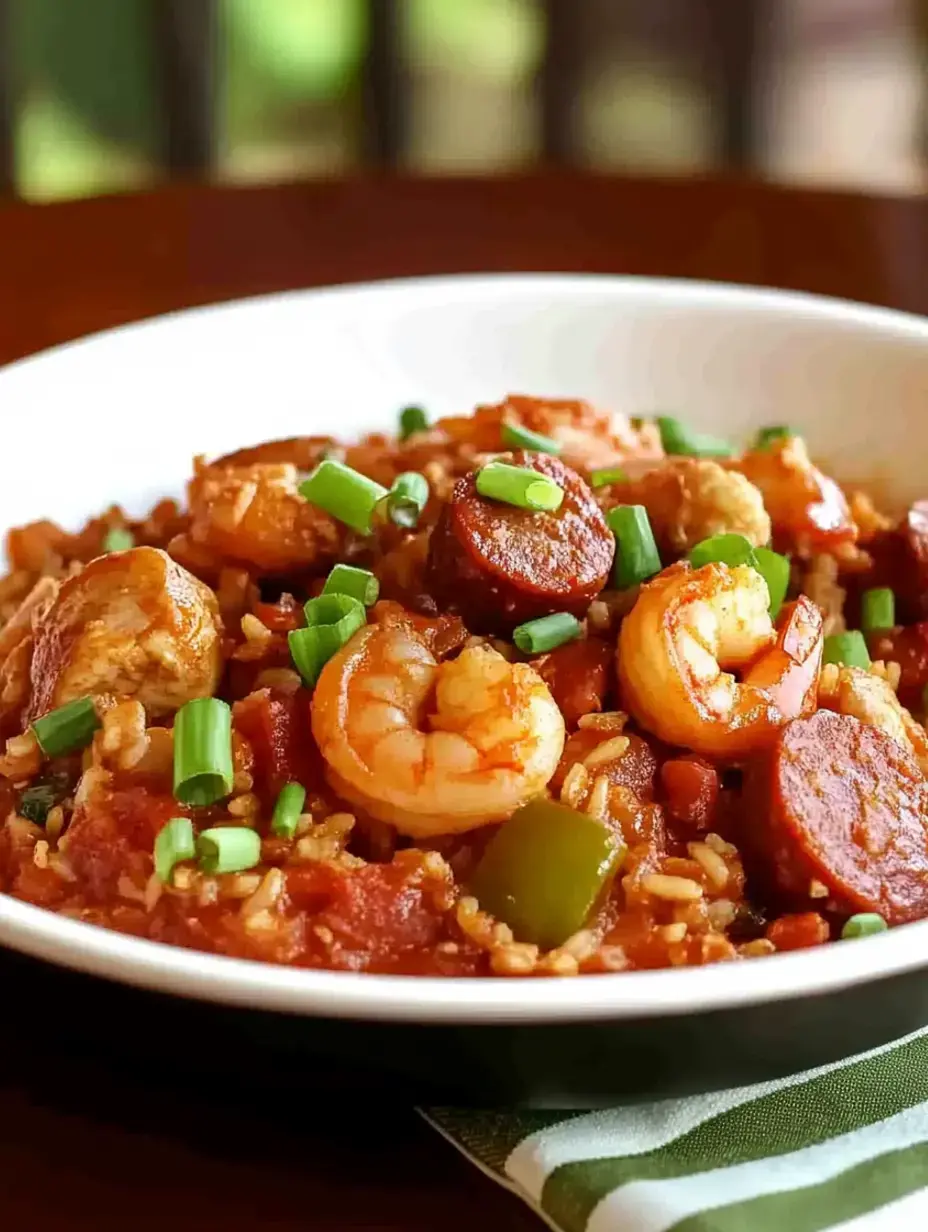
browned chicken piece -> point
(254, 514)
(691, 499)
(588, 437)
(133, 624)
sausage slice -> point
(846, 806)
(499, 566)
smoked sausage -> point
(499, 566)
(845, 807)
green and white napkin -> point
(844, 1147)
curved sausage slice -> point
(847, 806)
(134, 624)
(499, 566)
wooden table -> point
(84, 1145)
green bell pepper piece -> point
(544, 871)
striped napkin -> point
(840, 1147)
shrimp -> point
(433, 748)
(870, 698)
(255, 514)
(690, 499)
(688, 625)
(588, 437)
(134, 624)
(805, 506)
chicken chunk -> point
(133, 624)
(254, 514)
(690, 499)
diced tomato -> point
(277, 726)
(579, 676)
(798, 932)
(282, 616)
(377, 914)
(108, 834)
(692, 789)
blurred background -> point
(108, 95)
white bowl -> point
(117, 417)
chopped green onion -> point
(774, 569)
(866, 924)
(608, 474)
(412, 419)
(766, 436)
(118, 539)
(544, 871)
(877, 609)
(357, 583)
(228, 849)
(287, 810)
(677, 438)
(517, 437)
(173, 843)
(406, 499)
(519, 486)
(331, 621)
(636, 556)
(335, 610)
(344, 493)
(729, 549)
(546, 633)
(68, 728)
(203, 751)
(848, 649)
(42, 795)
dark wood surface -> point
(84, 1146)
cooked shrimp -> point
(433, 748)
(256, 515)
(686, 627)
(134, 624)
(804, 504)
(588, 437)
(870, 698)
(689, 499)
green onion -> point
(677, 438)
(519, 486)
(287, 810)
(412, 419)
(636, 556)
(546, 633)
(344, 493)
(118, 539)
(406, 499)
(848, 649)
(68, 728)
(203, 751)
(766, 436)
(357, 583)
(334, 610)
(173, 843)
(228, 849)
(877, 609)
(867, 924)
(774, 569)
(730, 549)
(331, 620)
(517, 437)
(42, 795)
(609, 474)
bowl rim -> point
(464, 1001)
